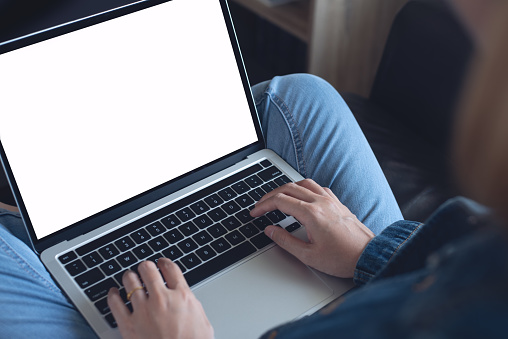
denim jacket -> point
(445, 278)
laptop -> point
(132, 135)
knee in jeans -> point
(306, 82)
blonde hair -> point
(481, 140)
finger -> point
(131, 282)
(312, 186)
(287, 241)
(117, 307)
(336, 200)
(172, 274)
(287, 204)
(292, 189)
(151, 277)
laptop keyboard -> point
(203, 233)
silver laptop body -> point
(124, 129)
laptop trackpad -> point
(275, 285)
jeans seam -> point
(25, 266)
(295, 134)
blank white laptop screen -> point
(119, 108)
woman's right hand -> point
(336, 237)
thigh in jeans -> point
(308, 124)
(32, 305)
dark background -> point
(267, 50)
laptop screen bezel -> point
(156, 193)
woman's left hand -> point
(170, 311)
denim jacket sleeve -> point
(405, 246)
(381, 249)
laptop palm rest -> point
(275, 285)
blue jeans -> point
(303, 119)
(309, 125)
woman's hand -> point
(170, 311)
(336, 237)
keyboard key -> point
(216, 230)
(135, 269)
(270, 173)
(172, 253)
(92, 259)
(190, 261)
(142, 251)
(102, 306)
(140, 236)
(75, 267)
(155, 258)
(244, 201)
(253, 181)
(202, 221)
(294, 226)
(155, 229)
(124, 244)
(219, 263)
(206, 253)
(173, 236)
(266, 163)
(269, 186)
(257, 193)
(231, 207)
(202, 238)
(158, 244)
(185, 214)
(109, 251)
(126, 259)
(89, 278)
(101, 289)
(235, 238)
(282, 180)
(262, 222)
(171, 221)
(275, 216)
(249, 230)
(199, 208)
(244, 216)
(123, 294)
(227, 194)
(187, 245)
(261, 240)
(214, 200)
(231, 223)
(220, 245)
(188, 229)
(217, 214)
(240, 187)
(110, 267)
(67, 257)
(111, 320)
